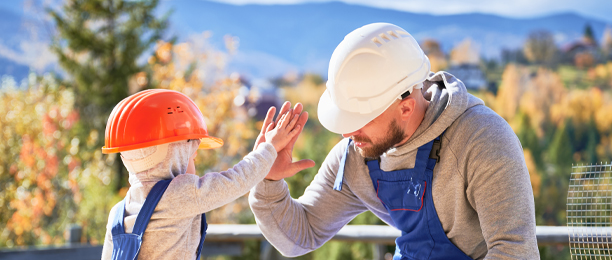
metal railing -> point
(227, 240)
(377, 234)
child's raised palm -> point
(283, 131)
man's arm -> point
(500, 190)
(298, 226)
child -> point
(158, 133)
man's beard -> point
(396, 135)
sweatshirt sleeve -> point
(499, 188)
(298, 226)
(107, 249)
(193, 195)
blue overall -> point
(406, 194)
(127, 246)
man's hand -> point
(284, 166)
(284, 131)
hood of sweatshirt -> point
(448, 100)
(174, 165)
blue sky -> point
(600, 9)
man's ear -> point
(406, 108)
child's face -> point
(191, 166)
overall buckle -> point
(435, 150)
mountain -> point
(302, 37)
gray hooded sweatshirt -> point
(481, 187)
(174, 229)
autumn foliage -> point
(53, 174)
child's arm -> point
(107, 249)
(217, 189)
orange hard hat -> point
(152, 117)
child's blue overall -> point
(406, 194)
(127, 246)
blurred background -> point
(544, 66)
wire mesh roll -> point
(589, 211)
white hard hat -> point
(372, 67)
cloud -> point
(33, 54)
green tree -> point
(588, 35)
(606, 43)
(561, 150)
(529, 139)
(98, 44)
(592, 139)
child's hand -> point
(285, 129)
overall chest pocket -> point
(402, 195)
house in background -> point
(582, 53)
(255, 98)
(470, 74)
(465, 65)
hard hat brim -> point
(206, 142)
(210, 143)
(340, 121)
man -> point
(419, 151)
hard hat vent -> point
(174, 110)
(402, 33)
(387, 37)
(376, 41)
(384, 37)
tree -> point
(606, 42)
(37, 162)
(540, 47)
(434, 53)
(510, 91)
(98, 44)
(561, 151)
(544, 91)
(466, 52)
(589, 36)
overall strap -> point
(421, 161)
(427, 156)
(340, 175)
(422, 157)
(203, 228)
(117, 227)
(373, 165)
(142, 220)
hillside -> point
(301, 37)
